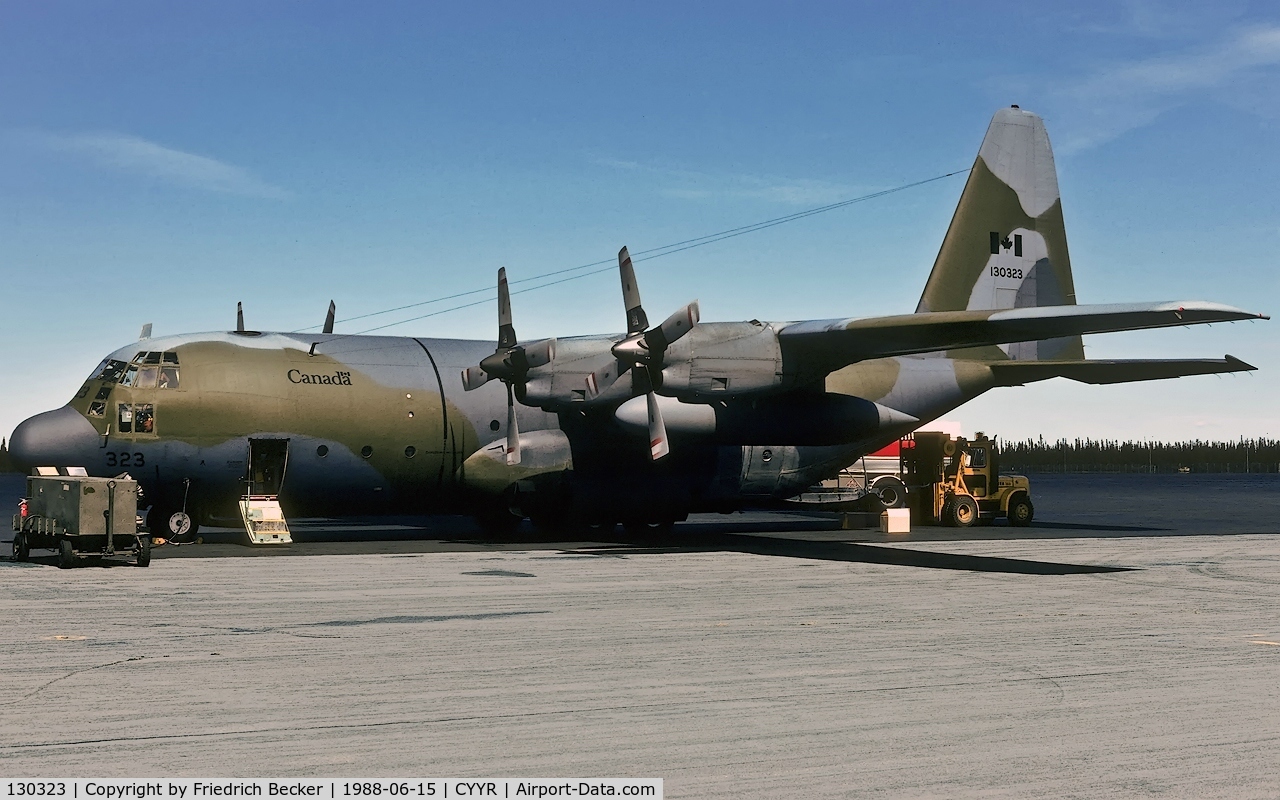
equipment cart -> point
(80, 516)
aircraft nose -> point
(56, 438)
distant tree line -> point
(6, 462)
(1109, 455)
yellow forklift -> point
(957, 482)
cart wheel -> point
(21, 547)
(143, 551)
(891, 490)
(66, 554)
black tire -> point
(649, 530)
(1021, 511)
(66, 554)
(962, 511)
(21, 547)
(891, 491)
(497, 521)
(143, 551)
(158, 522)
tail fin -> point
(1007, 245)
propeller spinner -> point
(510, 363)
(641, 353)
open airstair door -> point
(260, 507)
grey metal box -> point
(80, 504)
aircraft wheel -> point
(66, 554)
(21, 547)
(649, 530)
(143, 551)
(171, 522)
(963, 511)
(497, 521)
(891, 490)
(1021, 512)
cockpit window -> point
(144, 418)
(109, 371)
(97, 408)
(103, 393)
(130, 376)
(168, 377)
(171, 358)
(136, 418)
(146, 377)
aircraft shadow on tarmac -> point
(819, 539)
(853, 552)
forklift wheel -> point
(66, 554)
(1021, 512)
(143, 551)
(21, 549)
(962, 511)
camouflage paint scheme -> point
(383, 424)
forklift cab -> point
(980, 465)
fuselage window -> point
(168, 377)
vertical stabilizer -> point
(1007, 245)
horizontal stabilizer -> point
(1017, 373)
(818, 347)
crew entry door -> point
(260, 506)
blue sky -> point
(161, 161)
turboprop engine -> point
(802, 419)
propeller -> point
(510, 363)
(641, 352)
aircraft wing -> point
(1017, 373)
(818, 347)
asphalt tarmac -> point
(1126, 644)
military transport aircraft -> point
(640, 428)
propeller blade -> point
(328, 318)
(673, 327)
(474, 378)
(506, 331)
(658, 445)
(513, 431)
(636, 319)
(540, 353)
(239, 318)
(598, 382)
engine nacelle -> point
(800, 419)
(562, 384)
(723, 359)
(714, 361)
